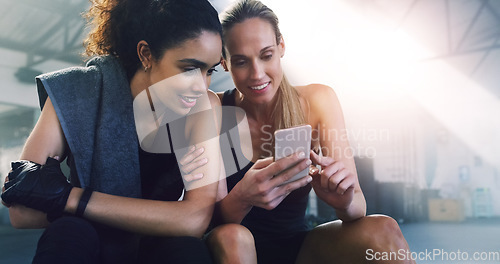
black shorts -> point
(76, 240)
(278, 249)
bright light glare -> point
(464, 107)
(330, 42)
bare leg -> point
(337, 242)
(232, 243)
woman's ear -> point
(144, 54)
(223, 63)
(281, 46)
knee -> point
(231, 237)
(381, 231)
(386, 225)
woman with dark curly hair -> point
(124, 201)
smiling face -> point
(254, 59)
(185, 71)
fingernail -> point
(308, 162)
(191, 148)
(202, 150)
(198, 176)
(204, 161)
(56, 157)
(301, 154)
(309, 179)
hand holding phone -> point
(290, 140)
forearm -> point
(172, 218)
(149, 217)
(23, 217)
(46, 140)
(355, 210)
(231, 209)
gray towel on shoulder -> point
(94, 107)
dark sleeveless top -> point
(160, 175)
(288, 217)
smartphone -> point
(290, 140)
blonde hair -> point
(287, 111)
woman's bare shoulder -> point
(318, 94)
(215, 98)
(220, 95)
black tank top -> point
(160, 175)
(288, 217)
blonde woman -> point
(273, 214)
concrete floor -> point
(448, 239)
(425, 238)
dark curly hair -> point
(118, 25)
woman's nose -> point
(200, 84)
(257, 71)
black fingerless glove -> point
(44, 188)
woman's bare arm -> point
(188, 217)
(46, 140)
(339, 186)
(180, 218)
